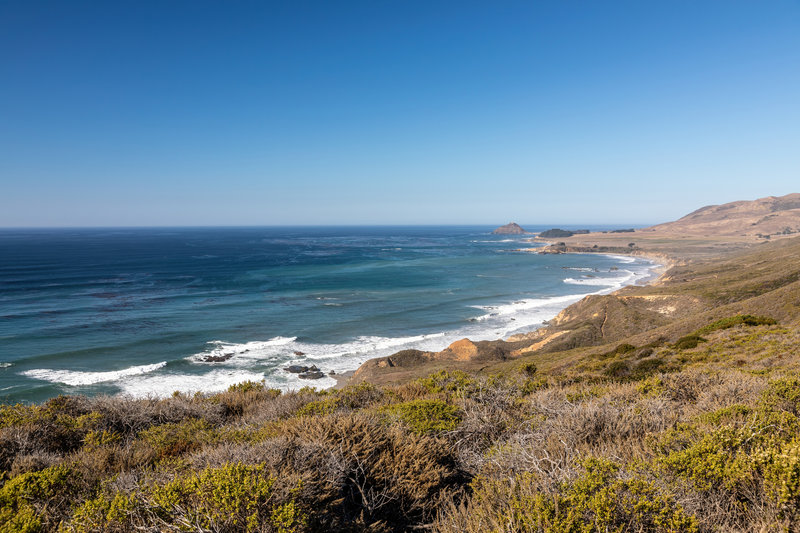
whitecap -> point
(164, 384)
(78, 378)
(603, 282)
(623, 258)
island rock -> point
(509, 229)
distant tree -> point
(631, 245)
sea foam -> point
(78, 378)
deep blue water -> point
(138, 311)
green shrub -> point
(598, 501)
(325, 406)
(651, 386)
(531, 385)
(688, 342)
(747, 320)
(175, 439)
(425, 416)
(783, 395)
(232, 497)
(726, 415)
(30, 500)
(528, 369)
(103, 513)
(443, 381)
(620, 350)
(617, 369)
(647, 367)
(247, 386)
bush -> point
(231, 497)
(688, 342)
(32, 500)
(617, 369)
(368, 473)
(425, 416)
(747, 320)
(783, 395)
(620, 350)
(443, 381)
(647, 367)
(599, 500)
(528, 369)
(175, 439)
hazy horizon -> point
(198, 114)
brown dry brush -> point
(513, 453)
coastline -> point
(660, 265)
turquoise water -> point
(139, 311)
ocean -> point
(146, 312)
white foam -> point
(603, 282)
(495, 321)
(78, 378)
(164, 384)
(288, 350)
(623, 258)
(5, 365)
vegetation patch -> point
(688, 342)
(620, 350)
(599, 500)
(746, 320)
(425, 416)
(457, 382)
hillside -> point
(766, 216)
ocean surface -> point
(141, 311)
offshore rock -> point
(300, 369)
(509, 229)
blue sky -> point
(393, 112)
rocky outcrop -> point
(461, 351)
(510, 229)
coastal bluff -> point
(511, 228)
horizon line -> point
(397, 225)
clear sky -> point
(117, 113)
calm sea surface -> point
(140, 311)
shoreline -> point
(655, 274)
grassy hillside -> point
(674, 407)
